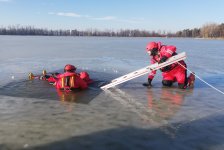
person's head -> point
(69, 68)
(84, 75)
(152, 48)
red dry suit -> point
(70, 80)
(175, 72)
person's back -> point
(70, 81)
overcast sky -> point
(168, 15)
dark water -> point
(41, 89)
(34, 115)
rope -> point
(202, 79)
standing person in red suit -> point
(171, 73)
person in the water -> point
(69, 80)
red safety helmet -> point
(85, 77)
(69, 67)
(150, 46)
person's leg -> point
(181, 76)
(184, 81)
(167, 83)
(168, 79)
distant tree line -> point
(29, 30)
(211, 30)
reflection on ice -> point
(159, 106)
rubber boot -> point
(191, 80)
(31, 76)
(44, 72)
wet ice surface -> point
(114, 119)
(35, 116)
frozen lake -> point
(33, 115)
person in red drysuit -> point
(69, 80)
(171, 73)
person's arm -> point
(166, 53)
(53, 78)
(152, 73)
(150, 76)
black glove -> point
(47, 76)
(149, 84)
(167, 68)
(44, 77)
(54, 75)
(163, 59)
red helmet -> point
(69, 67)
(150, 46)
(84, 75)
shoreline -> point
(219, 38)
